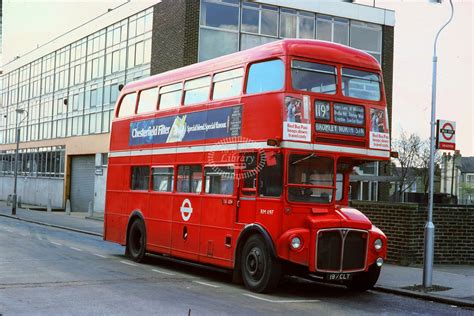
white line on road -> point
(74, 248)
(162, 272)
(56, 243)
(279, 301)
(206, 284)
(99, 255)
(129, 263)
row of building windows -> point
(34, 162)
(238, 25)
(73, 90)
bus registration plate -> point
(339, 276)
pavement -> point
(452, 284)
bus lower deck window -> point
(163, 179)
(189, 179)
(219, 180)
(140, 177)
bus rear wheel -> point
(136, 241)
(261, 271)
(366, 280)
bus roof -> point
(314, 49)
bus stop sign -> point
(446, 135)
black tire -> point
(261, 271)
(136, 241)
(365, 281)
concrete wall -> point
(34, 191)
(404, 226)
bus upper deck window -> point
(266, 76)
(313, 77)
(147, 100)
(227, 84)
(360, 84)
(170, 96)
(197, 90)
(127, 105)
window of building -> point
(259, 19)
(360, 84)
(148, 100)
(140, 178)
(197, 90)
(223, 14)
(162, 179)
(266, 76)
(332, 29)
(314, 77)
(270, 179)
(296, 24)
(367, 37)
(228, 84)
(127, 106)
(219, 180)
(189, 179)
(249, 40)
(228, 43)
(219, 24)
(170, 96)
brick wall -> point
(175, 36)
(403, 223)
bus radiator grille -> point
(341, 250)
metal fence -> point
(34, 162)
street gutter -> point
(425, 296)
(53, 225)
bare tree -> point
(408, 148)
(412, 164)
(424, 164)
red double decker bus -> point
(243, 162)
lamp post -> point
(429, 227)
(15, 177)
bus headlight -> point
(295, 243)
(378, 244)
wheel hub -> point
(254, 263)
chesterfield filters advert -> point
(210, 124)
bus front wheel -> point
(366, 280)
(136, 241)
(261, 271)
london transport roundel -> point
(186, 210)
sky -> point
(29, 23)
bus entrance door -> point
(247, 188)
(218, 215)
